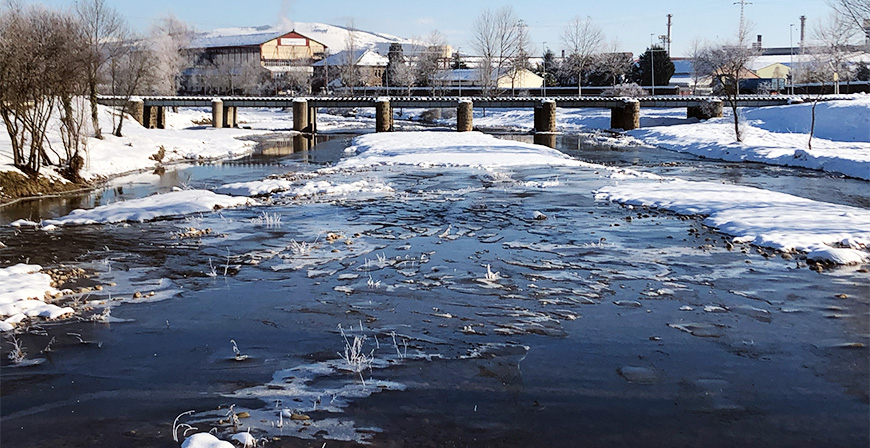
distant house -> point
(504, 79)
(226, 62)
(369, 67)
(775, 70)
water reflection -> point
(547, 139)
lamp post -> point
(652, 65)
(459, 68)
(790, 59)
(545, 68)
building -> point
(507, 79)
(231, 62)
(775, 70)
(369, 67)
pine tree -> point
(659, 59)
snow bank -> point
(205, 440)
(829, 232)
(452, 149)
(779, 136)
(842, 121)
(140, 148)
(322, 187)
(22, 291)
(175, 203)
(255, 188)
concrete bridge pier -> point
(545, 117)
(230, 118)
(464, 117)
(710, 109)
(217, 113)
(383, 115)
(153, 117)
(137, 110)
(627, 116)
(300, 115)
(312, 119)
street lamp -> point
(652, 66)
(545, 68)
(790, 59)
(458, 69)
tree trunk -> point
(812, 124)
(95, 116)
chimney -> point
(803, 30)
(757, 44)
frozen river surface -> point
(460, 308)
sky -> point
(633, 23)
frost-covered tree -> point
(169, 38)
(104, 30)
(131, 73)
(398, 72)
(582, 39)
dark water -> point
(596, 331)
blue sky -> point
(630, 21)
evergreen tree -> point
(457, 63)
(862, 73)
(548, 69)
(658, 58)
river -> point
(442, 314)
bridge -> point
(625, 112)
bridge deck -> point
(444, 102)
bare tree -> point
(349, 70)
(852, 12)
(40, 68)
(728, 64)
(103, 30)
(613, 62)
(169, 38)
(132, 72)
(828, 59)
(582, 38)
(696, 54)
(430, 60)
(497, 37)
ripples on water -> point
(477, 323)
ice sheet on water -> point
(176, 203)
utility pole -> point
(742, 28)
(669, 34)
(652, 65)
(790, 58)
(544, 63)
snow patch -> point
(764, 218)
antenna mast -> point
(742, 29)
